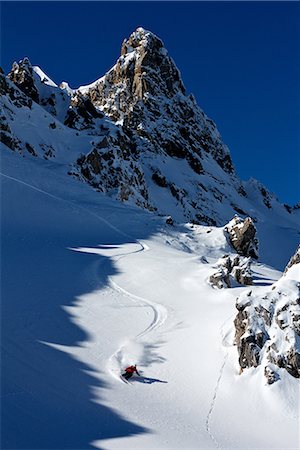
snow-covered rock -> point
(21, 75)
(242, 236)
(268, 327)
(232, 269)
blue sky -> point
(241, 60)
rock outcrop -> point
(268, 327)
(230, 269)
(242, 236)
(82, 114)
(124, 178)
(21, 75)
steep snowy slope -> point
(92, 285)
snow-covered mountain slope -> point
(91, 285)
(136, 134)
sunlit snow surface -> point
(90, 285)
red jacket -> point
(131, 369)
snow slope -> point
(90, 285)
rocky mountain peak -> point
(141, 38)
(142, 73)
(152, 64)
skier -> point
(129, 371)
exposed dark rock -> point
(238, 210)
(248, 338)
(48, 151)
(220, 279)
(114, 157)
(169, 221)
(71, 118)
(174, 149)
(232, 268)
(266, 197)
(30, 149)
(10, 141)
(241, 233)
(288, 208)
(82, 113)
(4, 125)
(18, 98)
(22, 76)
(159, 179)
(195, 163)
(203, 219)
(241, 191)
(295, 259)
(241, 271)
(270, 375)
(226, 163)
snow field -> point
(92, 286)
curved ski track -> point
(160, 315)
(159, 312)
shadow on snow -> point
(47, 396)
(146, 380)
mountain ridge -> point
(151, 143)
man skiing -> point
(129, 371)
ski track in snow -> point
(160, 315)
(213, 402)
(73, 203)
(159, 311)
(214, 399)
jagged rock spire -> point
(22, 75)
(151, 56)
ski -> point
(124, 380)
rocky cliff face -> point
(135, 134)
(268, 327)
